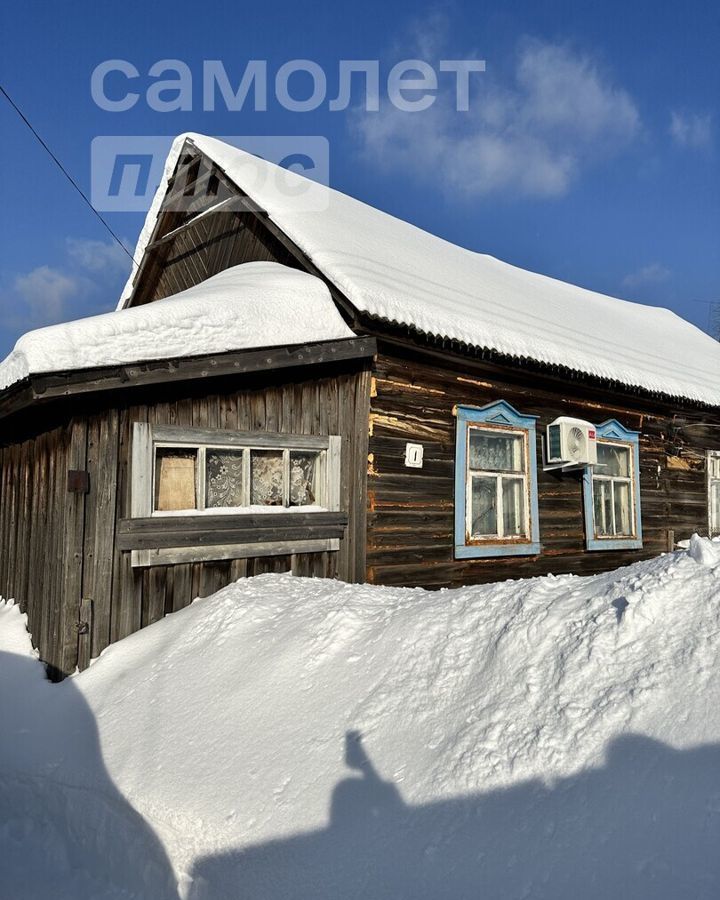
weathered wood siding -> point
(59, 556)
(410, 511)
(41, 544)
(215, 243)
(184, 250)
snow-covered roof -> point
(390, 269)
(259, 304)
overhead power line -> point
(65, 172)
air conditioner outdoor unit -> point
(571, 442)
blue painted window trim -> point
(499, 413)
(613, 430)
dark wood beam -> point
(236, 204)
(45, 387)
(165, 532)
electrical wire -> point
(64, 171)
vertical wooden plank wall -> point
(57, 549)
(102, 454)
(42, 528)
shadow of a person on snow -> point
(645, 825)
(67, 832)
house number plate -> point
(414, 456)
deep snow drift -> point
(555, 737)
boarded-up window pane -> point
(303, 475)
(266, 477)
(175, 479)
(224, 478)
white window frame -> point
(597, 476)
(713, 460)
(246, 449)
(499, 477)
(147, 439)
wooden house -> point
(295, 381)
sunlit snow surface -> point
(259, 304)
(392, 270)
(556, 737)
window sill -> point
(488, 551)
(256, 510)
(614, 544)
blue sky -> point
(589, 153)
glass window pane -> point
(483, 513)
(175, 478)
(513, 507)
(224, 478)
(622, 508)
(602, 499)
(266, 477)
(714, 465)
(715, 507)
(613, 460)
(303, 485)
(495, 452)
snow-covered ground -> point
(556, 737)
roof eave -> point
(411, 335)
(48, 386)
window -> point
(713, 470)
(213, 477)
(201, 494)
(612, 491)
(495, 482)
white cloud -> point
(654, 273)
(533, 135)
(692, 130)
(86, 282)
(98, 256)
(45, 291)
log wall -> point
(410, 511)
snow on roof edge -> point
(630, 376)
(152, 215)
(251, 306)
(608, 378)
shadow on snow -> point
(66, 832)
(645, 825)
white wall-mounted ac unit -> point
(571, 442)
